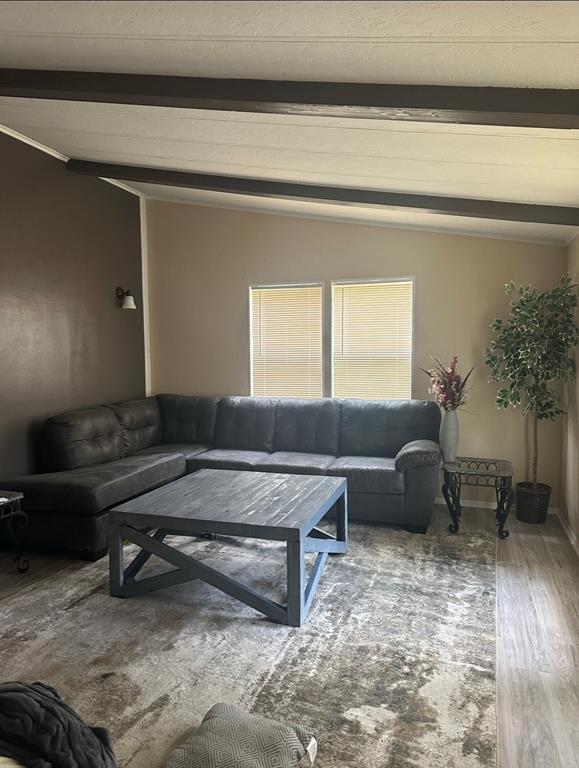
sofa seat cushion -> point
(222, 458)
(90, 490)
(187, 450)
(296, 463)
(368, 474)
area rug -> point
(395, 666)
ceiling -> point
(516, 44)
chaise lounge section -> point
(96, 458)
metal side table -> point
(15, 517)
(490, 473)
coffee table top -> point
(263, 505)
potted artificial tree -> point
(531, 352)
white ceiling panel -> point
(342, 136)
(518, 165)
(526, 189)
(531, 44)
(520, 44)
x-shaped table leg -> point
(123, 582)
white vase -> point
(449, 436)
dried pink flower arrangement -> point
(447, 385)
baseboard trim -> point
(571, 535)
(475, 504)
(557, 511)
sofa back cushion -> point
(307, 426)
(245, 423)
(141, 423)
(382, 427)
(82, 438)
(188, 419)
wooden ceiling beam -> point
(513, 107)
(451, 206)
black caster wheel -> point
(453, 528)
(504, 534)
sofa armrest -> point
(418, 453)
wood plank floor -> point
(537, 637)
(537, 642)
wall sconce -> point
(126, 299)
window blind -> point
(286, 341)
(372, 340)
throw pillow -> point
(229, 737)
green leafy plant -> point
(533, 350)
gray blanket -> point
(38, 730)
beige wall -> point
(202, 261)
(571, 423)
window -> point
(372, 339)
(286, 341)
(367, 347)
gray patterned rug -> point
(395, 666)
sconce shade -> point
(128, 301)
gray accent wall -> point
(66, 242)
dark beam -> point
(453, 206)
(521, 107)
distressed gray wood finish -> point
(260, 505)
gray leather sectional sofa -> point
(96, 458)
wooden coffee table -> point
(259, 505)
